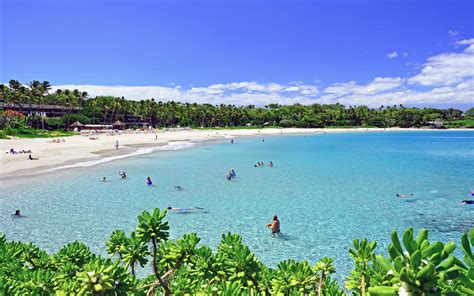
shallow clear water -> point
(326, 189)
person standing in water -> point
(148, 181)
(275, 226)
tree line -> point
(107, 109)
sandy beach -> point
(81, 149)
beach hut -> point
(118, 125)
(77, 125)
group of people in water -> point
(231, 174)
(149, 182)
(261, 164)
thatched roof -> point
(77, 124)
(118, 123)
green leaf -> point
(432, 249)
(465, 245)
(407, 239)
(383, 291)
(396, 243)
(415, 259)
(447, 263)
(422, 235)
(426, 272)
(449, 247)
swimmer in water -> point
(148, 181)
(270, 164)
(467, 202)
(123, 175)
(404, 195)
(178, 188)
(104, 179)
(17, 214)
(185, 210)
(275, 226)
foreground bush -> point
(415, 266)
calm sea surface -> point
(326, 189)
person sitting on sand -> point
(275, 225)
(31, 158)
(123, 175)
(12, 151)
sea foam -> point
(140, 151)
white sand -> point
(80, 148)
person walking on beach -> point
(275, 226)
(116, 145)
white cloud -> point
(379, 84)
(447, 68)
(392, 55)
(444, 78)
(465, 42)
(453, 33)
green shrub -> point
(69, 119)
(414, 266)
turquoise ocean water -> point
(326, 189)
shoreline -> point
(80, 151)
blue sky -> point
(353, 52)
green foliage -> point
(107, 109)
(467, 123)
(469, 113)
(35, 133)
(69, 119)
(414, 266)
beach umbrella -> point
(77, 124)
(118, 123)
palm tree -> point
(43, 90)
(151, 227)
